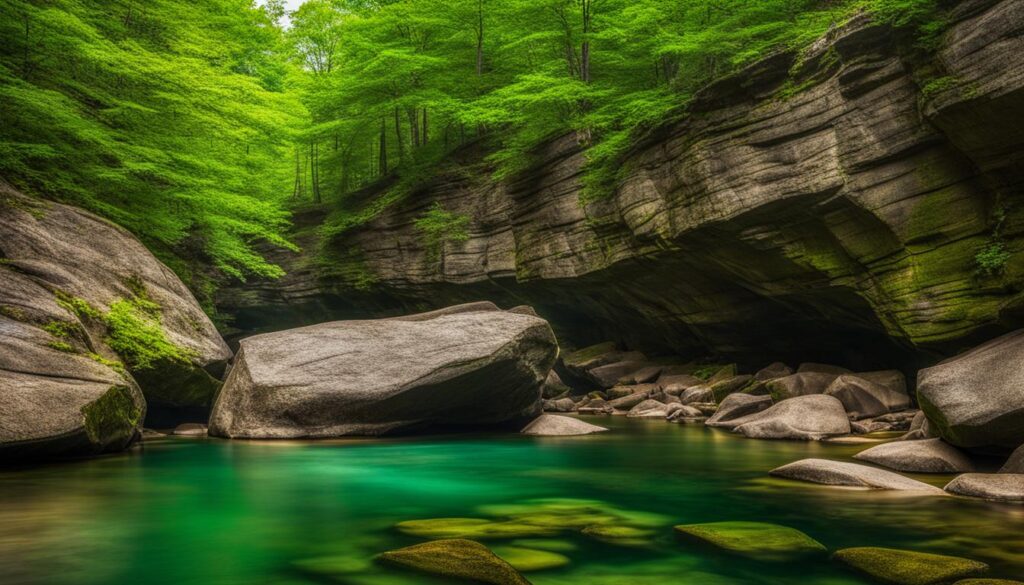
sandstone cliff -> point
(829, 202)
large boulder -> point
(998, 487)
(87, 316)
(976, 399)
(772, 371)
(609, 375)
(927, 456)
(841, 473)
(699, 393)
(892, 379)
(863, 398)
(805, 417)
(737, 406)
(382, 376)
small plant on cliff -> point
(438, 226)
(991, 259)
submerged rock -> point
(475, 528)
(927, 456)
(376, 377)
(998, 487)
(976, 399)
(620, 535)
(458, 558)
(737, 406)
(863, 398)
(903, 567)
(528, 560)
(756, 539)
(804, 417)
(556, 426)
(840, 473)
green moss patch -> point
(621, 535)
(903, 567)
(528, 560)
(477, 528)
(455, 558)
(756, 539)
(112, 419)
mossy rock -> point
(754, 539)
(988, 582)
(621, 535)
(571, 514)
(528, 559)
(334, 565)
(477, 528)
(550, 544)
(455, 558)
(904, 567)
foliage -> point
(438, 226)
(172, 118)
(992, 258)
(136, 335)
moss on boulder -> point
(904, 567)
(755, 539)
(455, 558)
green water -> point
(184, 511)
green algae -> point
(756, 539)
(528, 560)
(621, 535)
(457, 558)
(903, 567)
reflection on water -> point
(207, 511)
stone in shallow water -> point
(841, 473)
(478, 528)
(551, 544)
(926, 456)
(988, 582)
(903, 567)
(736, 406)
(551, 425)
(458, 558)
(190, 430)
(528, 560)
(649, 409)
(998, 487)
(755, 539)
(804, 417)
(620, 535)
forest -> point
(200, 125)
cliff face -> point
(827, 204)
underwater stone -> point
(459, 558)
(902, 567)
(756, 539)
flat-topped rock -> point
(904, 567)
(551, 425)
(841, 473)
(755, 539)
(925, 456)
(998, 487)
(863, 398)
(804, 417)
(377, 377)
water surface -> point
(182, 510)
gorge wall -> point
(826, 204)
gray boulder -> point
(804, 417)
(997, 487)
(920, 428)
(382, 376)
(892, 379)
(190, 430)
(628, 402)
(559, 405)
(648, 409)
(822, 369)
(681, 413)
(726, 387)
(701, 393)
(737, 406)
(840, 473)
(863, 398)
(620, 391)
(772, 371)
(551, 425)
(976, 399)
(799, 384)
(88, 316)
(596, 406)
(1015, 464)
(642, 376)
(553, 385)
(676, 385)
(927, 456)
(608, 375)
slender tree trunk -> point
(297, 190)
(414, 126)
(382, 162)
(398, 135)
(479, 38)
(423, 134)
(585, 47)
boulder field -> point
(455, 367)
(93, 328)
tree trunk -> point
(585, 47)
(382, 162)
(398, 135)
(414, 126)
(479, 38)
(423, 134)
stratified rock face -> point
(376, 377)
(65, 277)
(860, 202)
(54, 256)
(976, 399)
